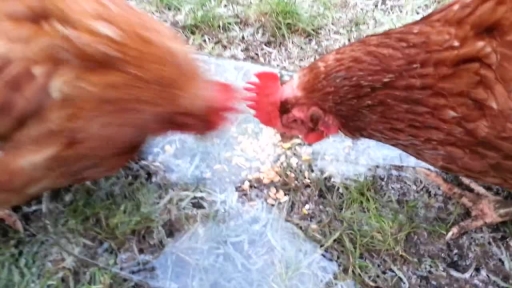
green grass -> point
(367, 227)
(201, 16)
(282, 18)
(173, 5)
(352, 222)
(283, 33)
(134, 204)
(76, 237)
(363, 223)
(279, 18)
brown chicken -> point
(82, 86)
(439, 89)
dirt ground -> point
(395, 237)
(389, 230)
(384, 231)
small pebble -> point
(271, 201)
(306, 158)
(287, 145)
(284, 199)
(280, 194)
(271, 174)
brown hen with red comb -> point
(439, 88)
(83, 85)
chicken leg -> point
(11, 219)
(486, 209)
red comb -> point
(266, 98)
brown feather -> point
(82, 85)
(439, 88)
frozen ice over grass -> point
(249, 246)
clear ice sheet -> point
(222, 160)
(243, 247)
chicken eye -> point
(315, 116)
(314, 119)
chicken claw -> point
(485, 208)
(11, 219)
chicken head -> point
(268, 100)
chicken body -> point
(82, 86)
(439, 89)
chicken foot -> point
(11, 219)
(486, 209)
